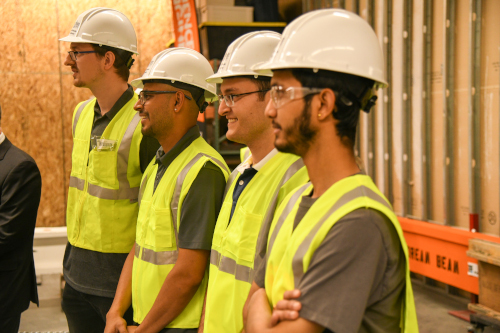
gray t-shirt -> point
(356, 278)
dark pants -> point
(87, 313)
(10, 324)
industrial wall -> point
(36, 92)
(432, 142)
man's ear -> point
(179, 101)
(109, 60)
(327, 104)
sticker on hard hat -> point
(75, 28)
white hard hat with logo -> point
(333, 40)
(180, 64)
(104, 26)
(249, 50)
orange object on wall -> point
(439, 252)
(185, 24)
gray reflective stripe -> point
(174, 204)
(142, 188)
(77, 183)
(284, 214)
(105, 193)
(124, 152)
(79, 112)
(246, 154)
(298, 258)
(230, 180)
(261, 248)
(228, 265)
(156, 258)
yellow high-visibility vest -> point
(157, 237)
(238, 248)
(104, 183)
(290, 251)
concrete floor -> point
(432, 305)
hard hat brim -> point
(73, 39)
(139, 83)
(270, 66)
(218, 78)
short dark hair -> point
(350, 93)
(262, 82)
(123, 59)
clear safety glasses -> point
(229, 99)
(281, 96)
(145, 95)
(73, 54)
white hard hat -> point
(333, 40)
(180, 64)
(104, 26)
(249, 50)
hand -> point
(115, 324)
(131, 329)
(288, 308)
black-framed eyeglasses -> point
(229, 99)
(145, 95)
(73, 54)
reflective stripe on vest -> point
(170, 257)
(125, 191)
(228, 265)
(242, 272)
(298, 258)
(284, 214)
(261, 248)
(79, 112)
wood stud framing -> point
(448, 108)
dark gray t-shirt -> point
(356, 278)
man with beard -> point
(337, 260)
(108, 159)
(255, 188)
(165, 274)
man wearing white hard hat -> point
(337, 260)
(108, 159)
(255, 188)
(165, 275)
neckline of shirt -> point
(248, 162)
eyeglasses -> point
(145, 95)
(281, 96)
(73, 54)
(229, 99)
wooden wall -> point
(36, 91)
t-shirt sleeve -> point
(200, 208)
(343, 271)
(147, 151)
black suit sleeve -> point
(20, 197)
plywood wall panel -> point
(37, 31)
(437, 126)
(490, 63)
(32, 108)
(11, 52)
(461, 112)
(155, 31)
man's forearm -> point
(177, 291)
(123, 295)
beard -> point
(300, 136)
